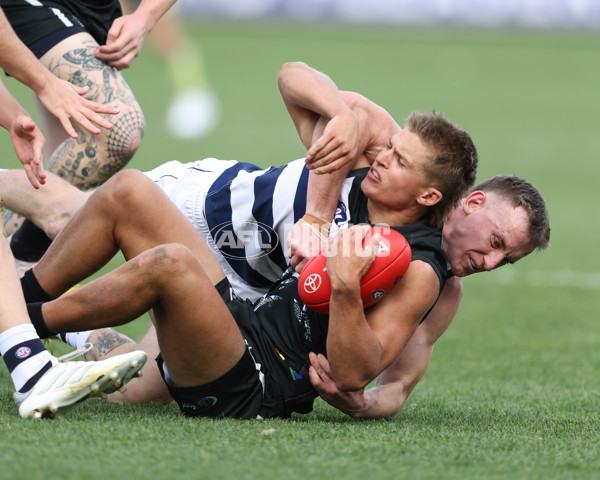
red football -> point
(390, 264)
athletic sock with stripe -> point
(24, 355)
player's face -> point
(397, 177)
(484, 233)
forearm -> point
(11, 108)
(308, 96)
(17, 60)
(323, 192)
(353, 349)
(310, 89)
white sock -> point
(76, 339)
(24, 355)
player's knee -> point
(129, 189)
(125, 137)
(167, 264)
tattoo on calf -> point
(107, 342)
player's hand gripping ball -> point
(390, 264)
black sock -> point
(32, 290)
(29, 242)
(35, 314)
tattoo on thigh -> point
(86, 163)
(84, 57)
(107, 342)
(90, 160)
(80, 67)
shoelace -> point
(75, 353)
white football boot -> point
(68, 383)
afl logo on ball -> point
(377, 294)
(312, 283)
(23, 352)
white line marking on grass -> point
(565, 278)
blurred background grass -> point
(521, 360)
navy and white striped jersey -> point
(244, 213)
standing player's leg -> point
(91, 159)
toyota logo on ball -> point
(312, 283)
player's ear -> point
(429, 197)
(474, 201)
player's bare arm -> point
(329, 129)
(360, 344)
(308, 95)
(26, 138)
(61, 99)
(327, 121)
(396, 383)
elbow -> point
(288, 69)
(287, 66)
(353, 383)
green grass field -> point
(512, 391)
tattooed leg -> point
(150, 388)
(90, 160)
(12, 222)
(108, 343)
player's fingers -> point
(301, 264)
(80, 90)
(324, 364)
(314, 361)
(326, 153)
(111, 46)
(85, 123)
(27, 125)
(113, 33)
(331, 167)
(375, 242)
(124, 62)
(100, 108)
(335, 158)
(31, 176)
(89, 116)
(115, 52)
(40, 174)
(315, 380)
(112, 58)
(38, 146)
(66, 123)
(321, 145)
